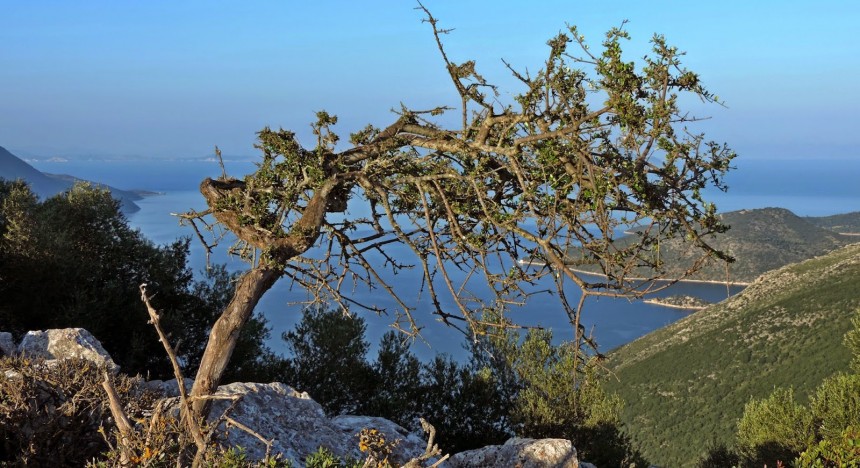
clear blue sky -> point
(174, 78)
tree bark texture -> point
(225, 333)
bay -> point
(612, 321)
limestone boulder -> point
(522, 453)
(7, 345)
(408, 445)
(168, 388)
(297, 425)
(65, 343)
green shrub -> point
(836, 405)
(774, 429)
(553, 391)
(329, 360)
(324, 458)
(842, 451)
(235, 457)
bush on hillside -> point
(52, 414)
(836, 405)
(823, 434)
(512, 386)
(79, 252)
(774, 429)
(841, 451)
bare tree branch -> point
(592, 147)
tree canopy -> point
(72, 260)
(594, 143)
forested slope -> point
(760, 240)
(847, 223)
(685, 385)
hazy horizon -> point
(167, 80)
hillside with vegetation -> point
(760, 240)
(847, 223)
(685, 386)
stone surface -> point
(64, 344)
(522, 453)
(298, 424)
(408, 447)
(7, 345)
(168, 388)
(295, 423)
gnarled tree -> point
(593, 145)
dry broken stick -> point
(431, 451)
(193, 425)
(119, 416)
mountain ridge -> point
(760, 240)
(46, 185)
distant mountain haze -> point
(760, 240)
(47, 185)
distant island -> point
(679, 302)
(47, 185)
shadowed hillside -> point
(48, 185)
(685, 385)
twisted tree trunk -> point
(225, 333)
(252, 284)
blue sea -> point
(809, 188)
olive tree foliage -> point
(77, 250)
(592, 143)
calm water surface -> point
(613, 322)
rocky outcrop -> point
(408, 445)
(523, 453)
(66, 343)
(296, 425)
(292, 423)
(7, 345)
(168, 388)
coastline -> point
(693, 281)
(657, 302)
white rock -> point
(523, 453)
(408, 447)
(7, 345)
(298, 425)
(65, 343)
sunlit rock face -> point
(524, 453)
(65, 343)
(275, 418)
